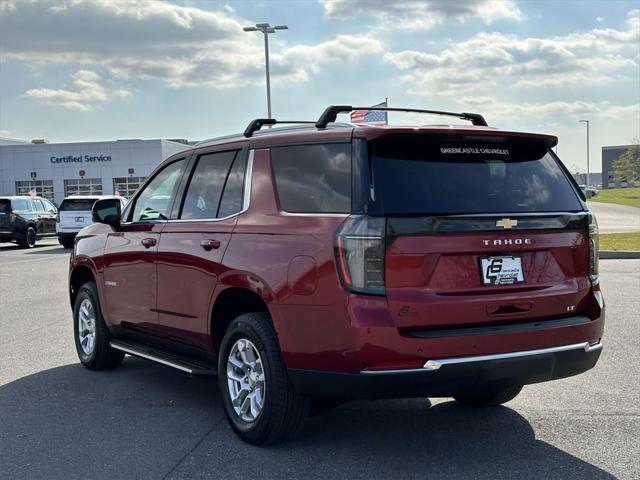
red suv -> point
(310, 264)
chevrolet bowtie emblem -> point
(506, 223)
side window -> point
(20, 205)
(38, 204)
(231, 202)
(206, 185)
(49, 207)
(154, 201)
(313, 178)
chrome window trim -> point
(246, 197)
(433, 365)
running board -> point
(170, 359)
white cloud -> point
(421, 14)
(88, 93)
(487, 61)
(149, 39)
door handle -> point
(209, 245)
(148, 242)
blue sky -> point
(82, 71)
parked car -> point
(75, 214)
(313, 264)
(25, 219)
(589, 191)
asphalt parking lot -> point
(59, 420)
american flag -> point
(370, 117)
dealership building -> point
(56, 170)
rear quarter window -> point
(313, 178)
(20, 205)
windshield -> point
(415, 175)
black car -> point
(25, 219)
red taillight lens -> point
(360, 252)
(594, 249)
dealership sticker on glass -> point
(503, 270)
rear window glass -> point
(5, 206)
(77, 205)
(313, 178)
(418, 176)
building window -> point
(83, 186)
(43, 188)
(127, 186)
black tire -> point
(102, 356)
(29, 240)
(488, 397)
(67, 242)
(284, 411)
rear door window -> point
(313, 178)
(206, 185)
(231, 201)
(77, 205)
(421, 176)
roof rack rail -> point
(330, 114)
(258, 123)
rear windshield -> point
(5, 206)
(77, 204)
(413, 175)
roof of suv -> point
(305, 131)
(20, 197)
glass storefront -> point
(127, 186)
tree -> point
(626, 168)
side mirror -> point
(107, 211)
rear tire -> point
(283, 412)
(91, 333)
(29, 240)
(488, 397)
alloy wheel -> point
(246, 380)
(87, 327)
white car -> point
(74, 214)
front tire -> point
(91, 333)
(259, 400)
(489, 396)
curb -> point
(610, 255)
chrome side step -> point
(170, 359)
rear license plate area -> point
(501, 270)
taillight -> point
(58, 217)
(594, 249)
(12, 217)
(360, 252)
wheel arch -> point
(229, 304)
(80, 275)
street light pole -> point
(588, 170)
(266, 29)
